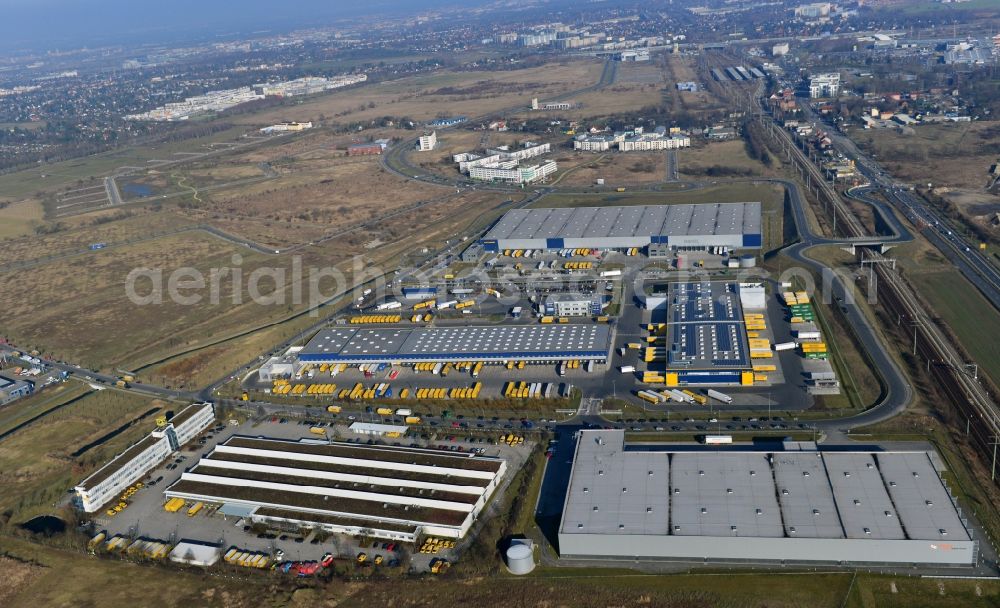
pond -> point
(139, 190)
(45, 524)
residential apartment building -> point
(649, 142)
(427, 142)
(824, 85)
(514, 175)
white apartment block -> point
(514, 175)
(108, 482)
(427, 142)
(824, 85)
(646, 143)
(594, 143)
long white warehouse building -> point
(798, 506)
(381, 491)
(732, 225)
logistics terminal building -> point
(375, 490)
(692, 227)
(560, 342)
(753, 506)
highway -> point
(957, 248)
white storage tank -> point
(520, 558)
(748, 260)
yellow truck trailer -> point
(173, 505)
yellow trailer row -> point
(425, 304)
(432, 393)
(465, 304)
(149, 549)
(365, 319)
(517, 364)
(116, 544)
(321, 389)
(246, 559)
(813, 347)
(511, 439)
(761, 354)
(764, 367)
(471, 392)
(658, 329)
(578, 265)
(528, 390)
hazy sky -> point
(72, 23)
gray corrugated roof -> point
(922, 502)
(615, 489)
(513, 339)
(627, 220)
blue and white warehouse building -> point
(684, 227)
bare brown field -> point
(695, 161)
(957, 155)
(681, 69)
(79, 232)
(312, 198)
(448, 92)
(19, 218)
(17, 576)
(615, 168)
(77, 308)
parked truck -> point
(627, 369)
(714, 394)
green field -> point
(967, 312)
(37, 463)
(38, 404)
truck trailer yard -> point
(270, 532)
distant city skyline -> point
(63, 24)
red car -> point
(393, 374)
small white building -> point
(378, 430)
(568, 305)
(427, 142)
(195, 553)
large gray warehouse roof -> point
(444, 343)
(627, 221)
(616, 491)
